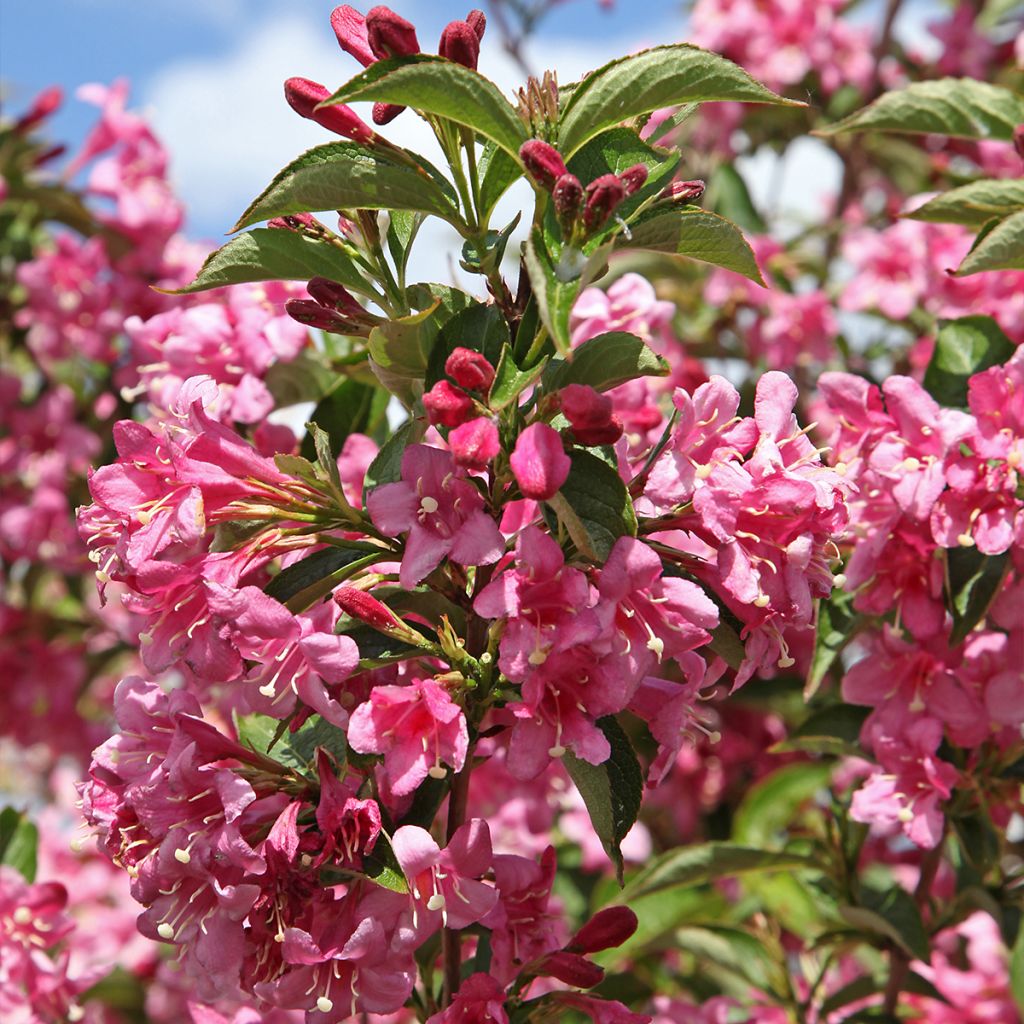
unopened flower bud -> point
(607, 433)
(633, 178)
(684, 191)
(446, 405)
(389, 34)
(607, 929)
(48, 155)
(585, 407)
(477, 20)
(543, 162)
(303, 96)
(366, 608)
(539, 462)
(334, 296)
(572, 969)
(460, 43)
(305, 223)
(385, 113)
(312, 314)
(350, 28)
(42, 107)
(474, 443)
(603, 195)
(470, 370)
(567, 197)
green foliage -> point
(437, 86)
(605, 362)
(999, 246)
(295, 750)
(661, 77)
(350, 407)
(19, 842)
(960, 107)
(972, 582)
(612, 791)
(304, 582)
(272, 254)
(963, 348)
(973, 204)
(837, 625)
(386, 467)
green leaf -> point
(273, 254)
(612, 791)
(386, 467)
(19, 841)
(305, 581)
(555, 282)
(594, 506)
(403, 226)
(830, 730)
(382, 866)
(960, 107)
(963, 348)
(1001, 247)
(737, 951)
(893, 915)
(303, 379)
(837, 625)
(345, 175)
(376, 649)
(1017, 971)
(434, 85)
(665, 76)
(726, 643)
(972, 582)
(605, 362)
(400, 349)
(707, 862)
(771, 804)
(697, 234)
(350, 407)
(480, 327)
(973, 204)
(497, 172)
(509, 381)
(728, 195)
(295, 750)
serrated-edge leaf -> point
(612, 791)
(1000, 248)
(893, 915)
(769, 805)
(605, 361)
(959, 107)
(273, 254)
(696, 234)
(972, 204)
(664, 76)
(345, 175)
(554, 297)
(438, 86)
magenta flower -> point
(415, 727)
(539, 462)
(474, 444)
(441, 513)
(480, 998)
(444, 886)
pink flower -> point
(480, 998)
(442, 514)
(475, 444)
(415, 727)
(539, 462)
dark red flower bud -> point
(459, 43)
(567, 197)
(389, 34)
(1018, 140)
(447, 405)
(607, 929)
(385, 113)
(366, 608)
(477, 20)
(45, 103)
(303, 96)
(332, 295)
(350, 28)
(603, 195)
(585, 407)
(543, 162)
(609, 433)
(633, 178)
(684, 191)
(470, 370)
(571, 968)
(53, 153)
(475, 443)
(312, 314)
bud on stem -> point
(304, 97)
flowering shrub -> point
(642, 642)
